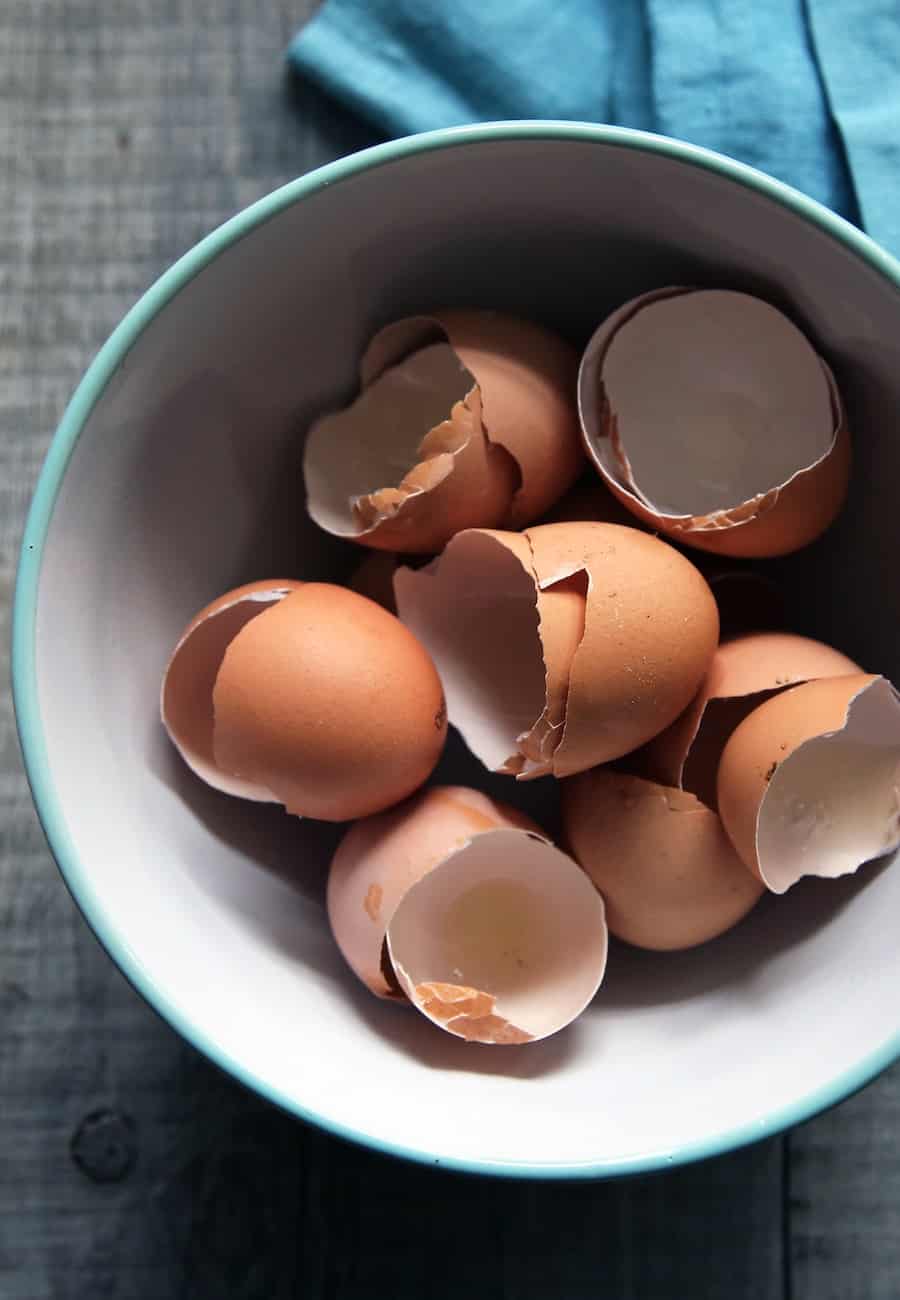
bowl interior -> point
(185, 480)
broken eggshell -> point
(504, 942)
(465, 907)
(712, 419)
(186, 698)
(464, 419)
(380, 857)
(809, 783)
(564, 646)
(304, 694)
(744, 671)
(662, 861)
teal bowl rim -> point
(25, 692)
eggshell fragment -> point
(464, 906)
(319, 699)
(562, 647)
(475, 608)
(381, 857)
(711, 418)
(465, 418)
(503, 942)
(744, 671)
(662, 861)
(186, 699)
(650, 630)
(809, 783)
(562, 608)
(528, 378)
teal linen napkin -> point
(807, 90)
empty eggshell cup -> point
(809, 783)
(464, 419)
(712, 419)
(744, 672)
(464, 906)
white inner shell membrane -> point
(475, 610)
(718, 398)
(835, 802)
(508, 915)
(374, 442)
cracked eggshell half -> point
(528, 379)
(319, 700)
(809, 783)
(651, 627)
(464, 419)
(744, 671)
(381, 857)
(475, 608)
(502, 942)
(712, 419)
(562, 647)
(662, 861)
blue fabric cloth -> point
(807, 90)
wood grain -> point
(129, 1167)
(844, 1199)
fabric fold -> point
(858, 50)
(806, 90)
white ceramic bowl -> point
(175, 474)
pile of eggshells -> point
(544, 617)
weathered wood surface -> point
(129, 1167)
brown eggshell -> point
(381, 857)
(479, 406)
(561, 613)
(330, 702)
(809, 783)
(541, 678)
(651, 628)
(186, 700)
(475, 608)
(661, 860)
(528, 377)
(503, 942)
(744, 671)
(663, 340)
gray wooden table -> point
(129, 1167)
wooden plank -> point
(845, 1199)
(709, 1230)
(129, 1167)
(127, 130)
